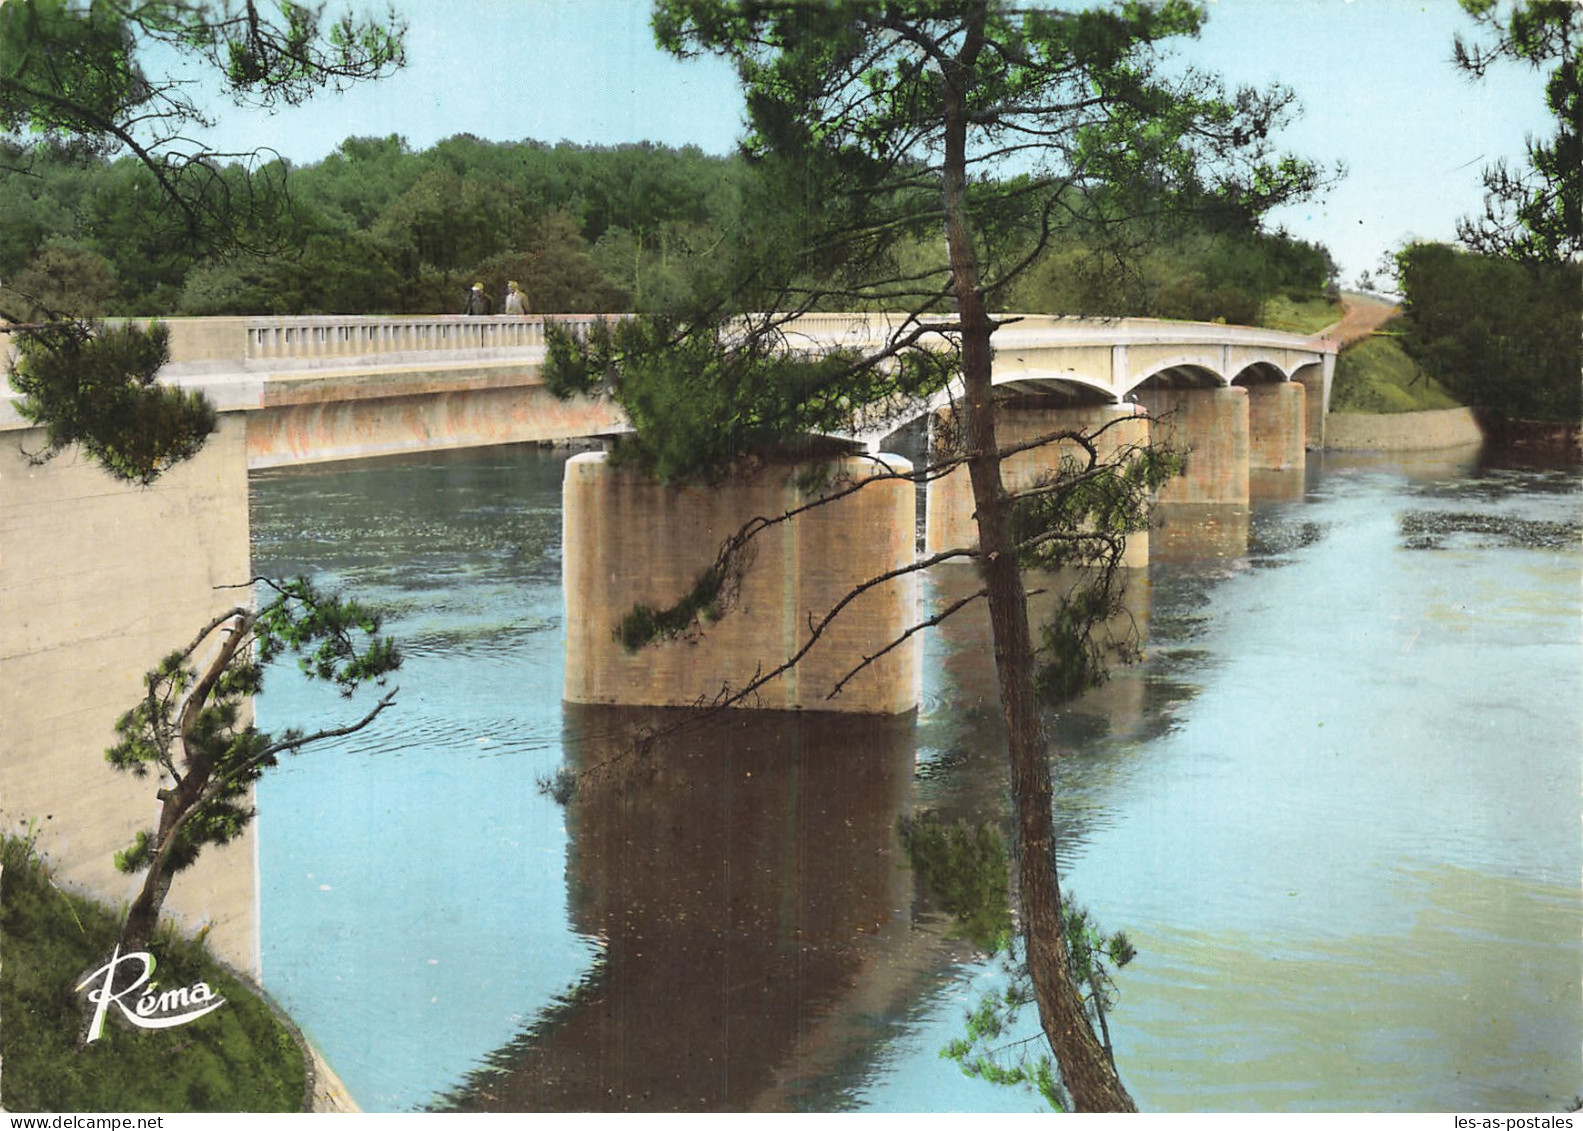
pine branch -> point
(816, 629)
(931, 622)
(218, 785)
(196, 698)
(295, 744)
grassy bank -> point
(1377, 376)
(1307, 317)
(237, 1058)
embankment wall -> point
(1402, 431)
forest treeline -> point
(377, 228)
(1504, 336)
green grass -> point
(1377, 376)
(238, 1058)
(1306, 317)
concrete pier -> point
(1277, 427)
(639, 541)
(950, 509)
(1211, 427)
(1316, 380)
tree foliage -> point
(1503, 337)
(60, 277)
(353, 240)
(94, 385)
(77, 73)
(193, 727)
(963, 868)
(702, 394)
(75, 84)
(1534, 213)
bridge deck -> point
(259, 364)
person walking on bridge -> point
(516, 301)
(477, 300)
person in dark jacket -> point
(477, 300)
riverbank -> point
(1544, 441)
(329, 1094)
(1523, 442)
(1382, 401)
(244, 1056)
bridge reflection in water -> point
(744, 880)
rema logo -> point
(148, 1010)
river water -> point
(1336, 809)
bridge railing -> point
(317, 337)
(328, 339)
(1056, 331)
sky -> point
(1374, 77)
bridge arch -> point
(1186, 372)
(1062, 385)
(1261, 372)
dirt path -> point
(1361, 315)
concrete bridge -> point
(1239, 400)
(322, 388)
(327, 387)
(1090, 361)
(97, 579)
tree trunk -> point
(183, 797)
(1084, 1067)
(143, 916)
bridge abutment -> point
(638, 541)
(98, 581)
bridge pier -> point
(1315, 380)
(964, 641)
(950, 510)
(1211, 427)
(1276, 426)
(634, 540)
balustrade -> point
(319, 336)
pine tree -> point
(1533, 214)
(917, 156)
(193, 726)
